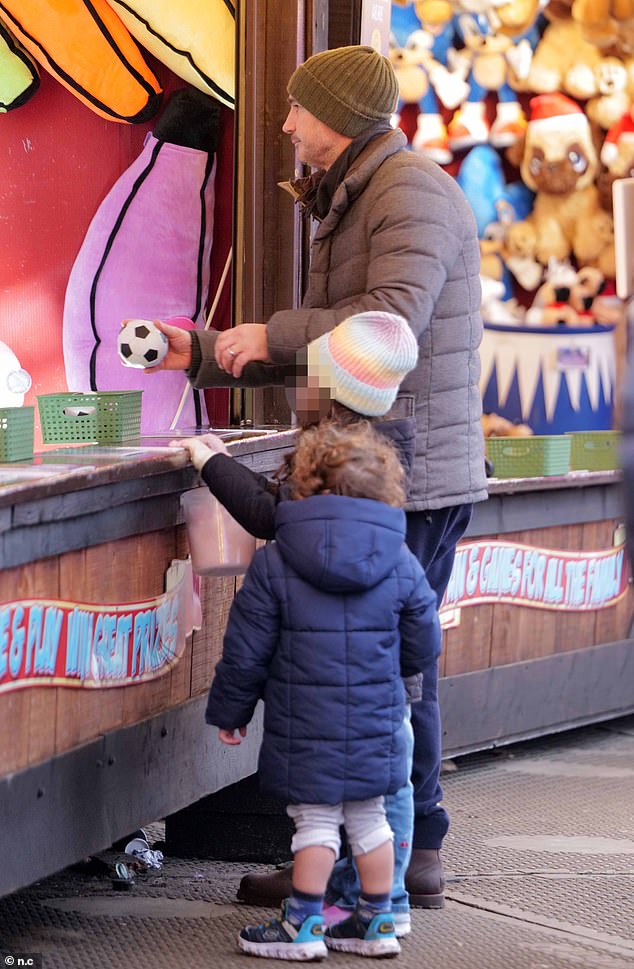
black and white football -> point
(141, 344)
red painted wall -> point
(58, 160)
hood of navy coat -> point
(340, 544)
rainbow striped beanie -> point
(363, 361)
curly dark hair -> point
(350, 459)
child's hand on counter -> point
(214, 443)
(201, 448)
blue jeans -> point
(432, 536)
(343, 886)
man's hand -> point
(201, 448)
(227, 736)
(179, 354)
(241, 345)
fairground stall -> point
(144, 186)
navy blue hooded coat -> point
(330, 616)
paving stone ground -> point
(540, 859)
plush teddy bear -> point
(619, 141)
(495, 426)
(494, 308)
(621, 165)
(507, 248)
(564, 60)
(552, 304)
(589, 299)
(559, 163)
(608, 24)
(612, 98)
(521, 244)
(515, 17)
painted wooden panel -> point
(41, 721)
(505, 647)
(216, 596)
(519, 633)
(28, 721)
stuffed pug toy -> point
(592, 305)
(559, 163)
(588, 286)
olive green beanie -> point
(348, 88)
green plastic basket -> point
(529, 457)
(107, 417)
(16, 433)
(594, 450)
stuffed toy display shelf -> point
(545, 128)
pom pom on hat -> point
(363, 360)
(556, 111)
(347, 88)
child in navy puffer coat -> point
(330, 617)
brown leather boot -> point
(267, 889)
(425, 879)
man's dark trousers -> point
(432, 536)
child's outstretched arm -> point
(201, 448)
(249, 497)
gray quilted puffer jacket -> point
(400, 237)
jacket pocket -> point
(403, 407)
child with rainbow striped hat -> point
(334, 620)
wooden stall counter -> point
(88, 536)
(537, 638)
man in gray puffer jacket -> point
(395, 233)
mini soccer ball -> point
(141, 344)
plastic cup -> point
(218, 544)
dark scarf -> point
(314, 192)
